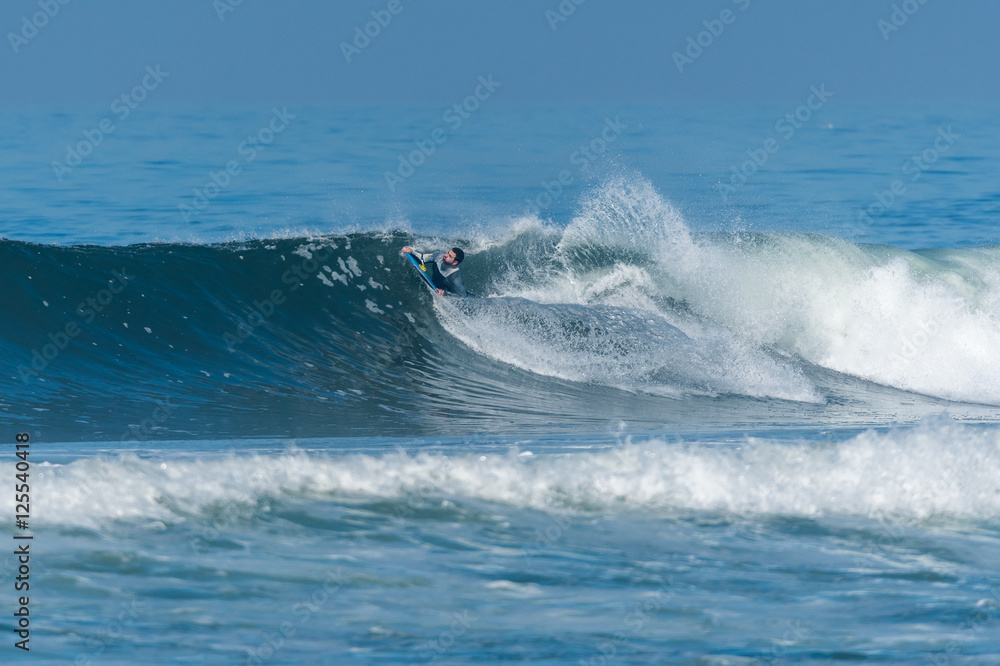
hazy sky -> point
(432, 51)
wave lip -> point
(926, 322)
(600, 306)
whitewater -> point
(674, 424)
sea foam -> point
(937, 469)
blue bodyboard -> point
(424, 273)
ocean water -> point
(728, 390)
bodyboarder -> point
(444, 269)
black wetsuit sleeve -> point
(455, 282)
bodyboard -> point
(424, 273)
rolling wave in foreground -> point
(939, 470)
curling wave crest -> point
(750, 311)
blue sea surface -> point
(728, 391)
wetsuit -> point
(442, 276)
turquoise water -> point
(326, 170)
(728, 392)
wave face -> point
(624, 313)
